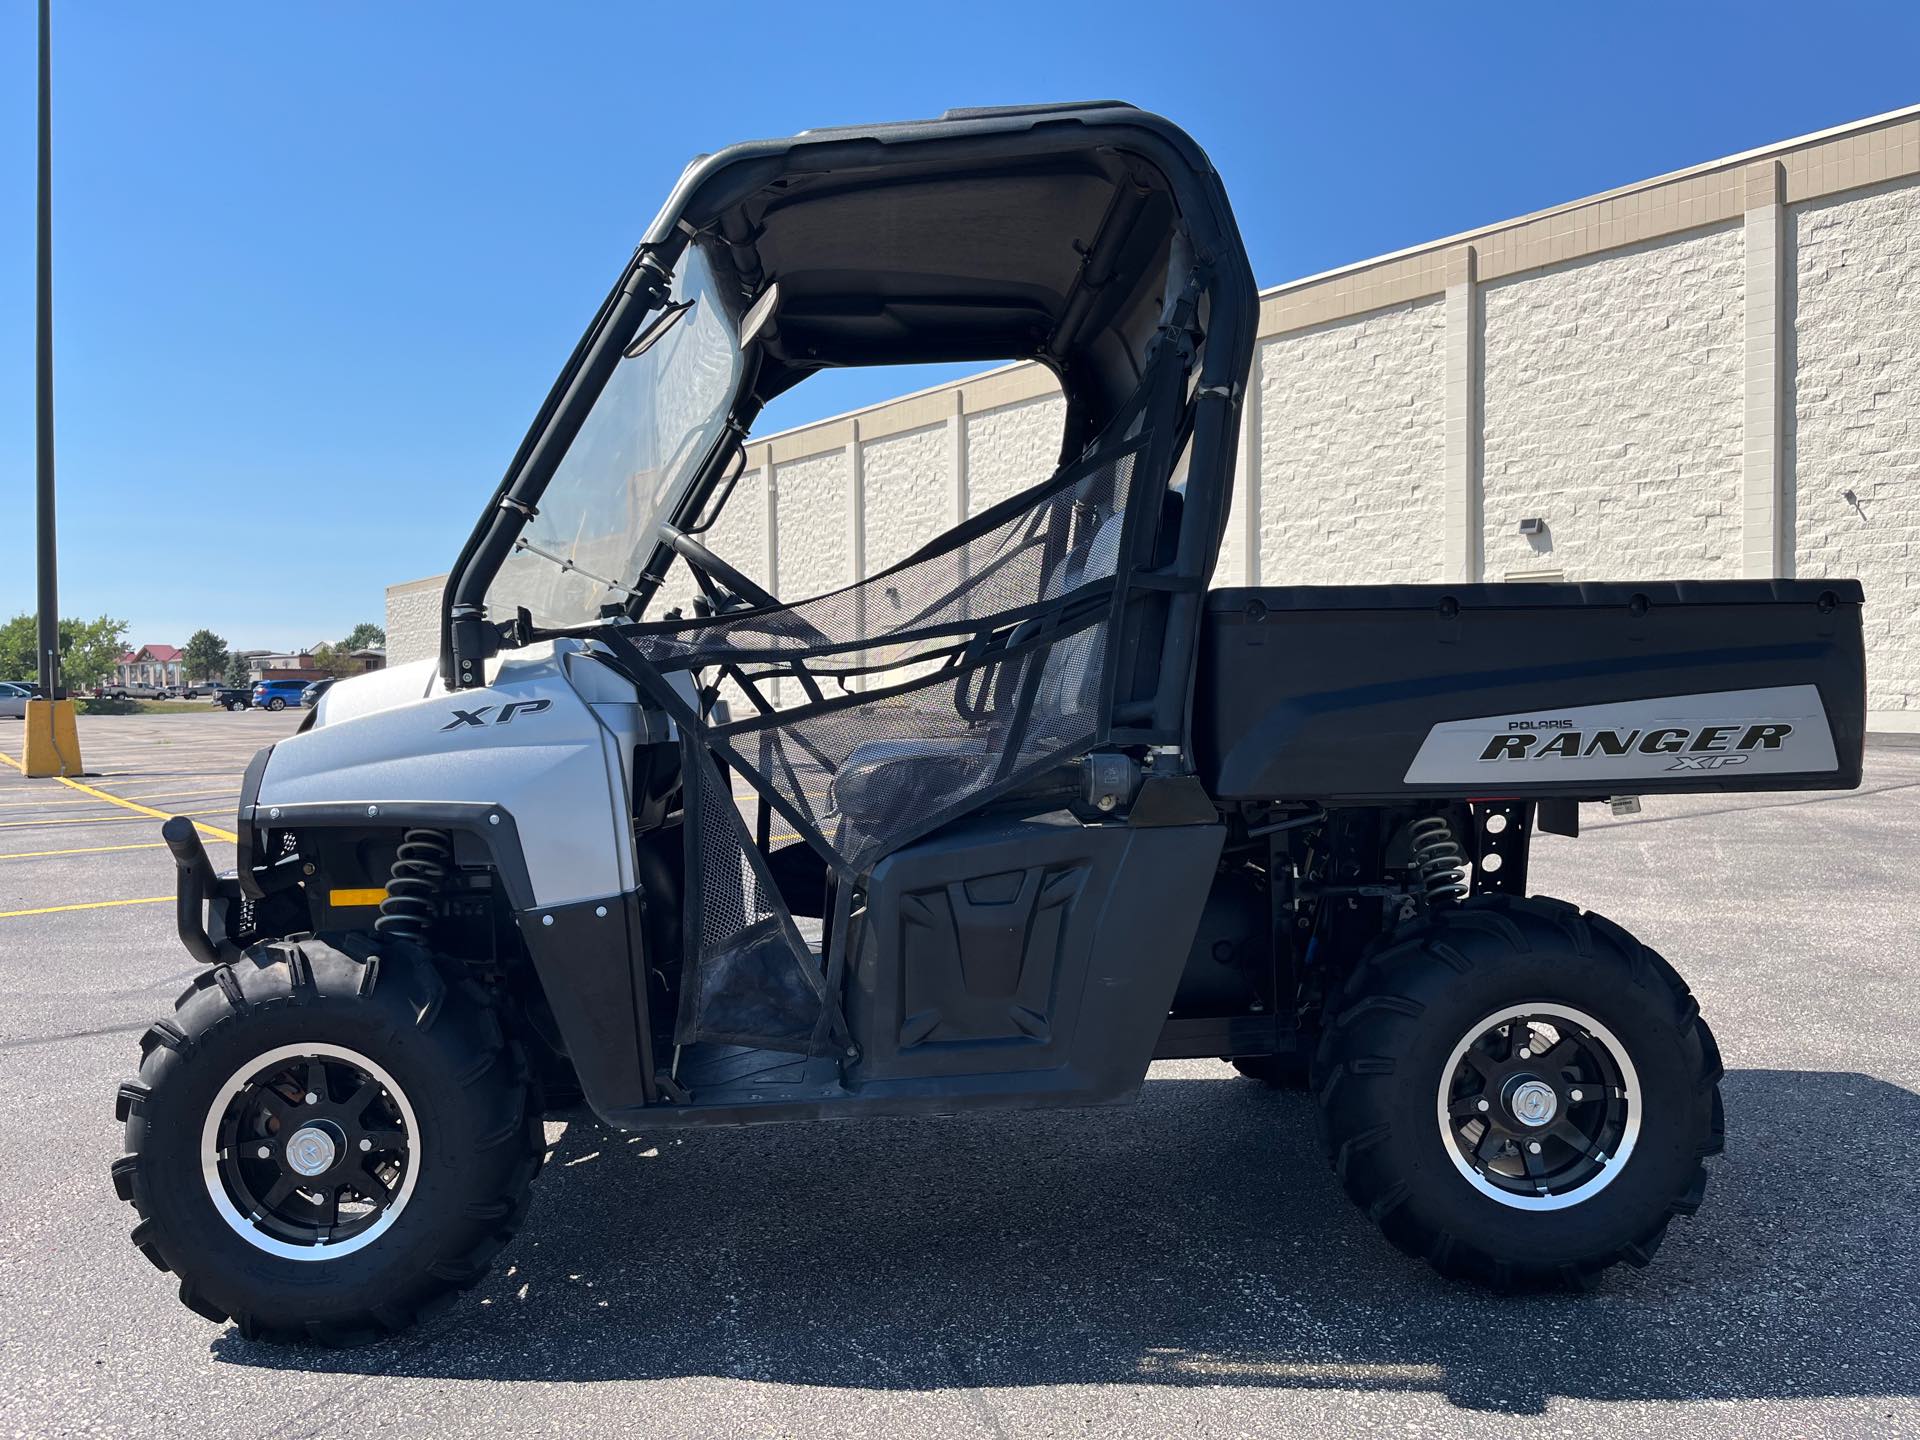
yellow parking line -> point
(83, 850)
(87, 905)
(91, 817)
(232, 787)
(201, 825)
(53, 802)
(139, 811)
(214, 830)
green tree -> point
(18, 641)
(88, 649)
(236, 671)
(333, 660)
(206, 655)
(362, 635)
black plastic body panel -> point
(1045, 983)
(1328, 692)
(486, 830)
(1020, 946)
(589, 957)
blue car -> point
(277, 694)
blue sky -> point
(316, 265)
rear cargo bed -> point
(1383, 691)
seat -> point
(869, 783)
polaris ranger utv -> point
(993, 828)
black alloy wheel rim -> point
(313, 1150)
(1540, 1108)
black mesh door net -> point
(914, 697)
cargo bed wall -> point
(1382, 691)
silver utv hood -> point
(547, 741)
(377, 690)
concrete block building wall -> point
(1010, 448)
(1612, 410)
(906, 503)
(413, 619)
(1352, 434)
(1854, 426)
(1688, 377)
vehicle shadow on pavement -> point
(1196, 1239)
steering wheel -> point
(790, 623)
(714, 568)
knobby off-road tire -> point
(462, 1112)
(1395, 1037)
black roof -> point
(1029, 232)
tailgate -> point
(1590, 690)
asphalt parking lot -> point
(1183, 1267)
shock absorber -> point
(1438, 861)
(419, 873)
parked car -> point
(233, 697)
(277, 694)
(194, 691)
(32, 687)
(311, 695)
(13, 700)
(136, 691)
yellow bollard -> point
(53, 739)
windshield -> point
(660, 413)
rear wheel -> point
(326, 1140)
(1519, 1093)
(276, 703)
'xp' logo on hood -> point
(478, 715)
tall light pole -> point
(52, 739)
(50, 685)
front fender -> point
(532, 749)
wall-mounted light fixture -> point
(1533, 525)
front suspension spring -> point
(419, 874)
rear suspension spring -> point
(1438, 860)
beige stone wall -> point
(1350, 444)
(413, 620)
(909, 499)
(1682, 377)
(812, 506)
(1010, 448)
(1612, 409)
(1855, 421)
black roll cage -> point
(1202, 253)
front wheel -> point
(326, 1140)
(1520, 1093)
